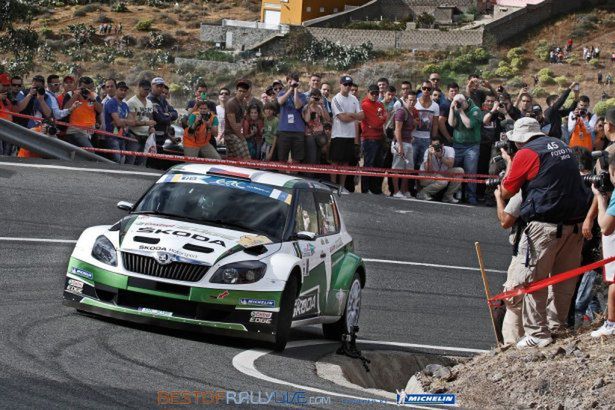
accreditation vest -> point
(201, 136)
(557, 194)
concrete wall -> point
(405, 40)
(242, 37)
(213, 66)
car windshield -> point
(218, 201)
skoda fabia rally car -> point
(223, 250)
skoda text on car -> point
(223, 250)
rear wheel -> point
(285, 317)
(350, 318)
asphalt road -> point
(54, 357)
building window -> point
(322, 9)
(308, 9)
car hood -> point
(183, 241)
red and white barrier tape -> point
(289, 167)
(543, 283)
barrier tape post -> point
(481, 264)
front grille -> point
(147, 265)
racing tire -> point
(334, 331)
(285, 317)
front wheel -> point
(350, 318)
(285, 317)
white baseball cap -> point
(158, 81)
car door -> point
(312, 297)
(333, 248)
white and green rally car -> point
(223, 250)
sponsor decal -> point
(183, 234)
(81, 272)
(257, 302)
(404, 398)
(248, 241)
(221, 295)
(261, 314)
(307, 249)
(164, 258)
(152, 248)
(260, 320)
(308, 304)
(155, 312)
(74, 286)
(337, 245)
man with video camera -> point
(554, 206)
(439, 158)
(606, 220)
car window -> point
(306, 217)
(328, 216)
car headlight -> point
(239, 273)
(104, 251)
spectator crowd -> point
(431, 127)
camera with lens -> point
(493, 182)
(582, 113)
(294, 84)
(437, 146)
(85, 93)
(601, 180)
(40, 90)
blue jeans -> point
(419, 146)
(110, 143)
(372, 158)
(586, 302)
(466, 156)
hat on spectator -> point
(5, 79)
(346, 79)
(610, 116)
(460, 98)
(525, 128)
(38, 78)
(68, 79)
(158, 81)
(373, 88)
(122, 84)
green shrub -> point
(516, 52)
(46, 32)
(337, 56)
(542, 50)
(540, 92)
(515, 82)
(594, 62)
(430, 68)
(505, 71)
(517, 63)
(563, 81)
(546, 79)
(215, 55)
(546, 71)
(488, 74)
(175, 88)
(120, 7)
(601, 107)
(480, 55)
(144, 25)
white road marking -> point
(245, 361)
(36, 240)
(65, 168)
(429, 265)
(432, 202)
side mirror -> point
(125, 206)
(305, 236)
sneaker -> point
(605, 330)
(451, 200)
(531, 341)
(408, 195)
(423, 196)
(399, 195)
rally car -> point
(223, 250)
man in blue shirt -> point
(291, 129)
(115, 112)
(34, 102)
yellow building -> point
(295, 12)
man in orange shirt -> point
(202, 126)
(5, 105)
(85, 113)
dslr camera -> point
(85, 93)
(437, 146)
(493, 182)
(601, 180)
(40, 90)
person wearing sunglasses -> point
(372, 137)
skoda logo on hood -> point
(163, 258)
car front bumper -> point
(246, 314)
